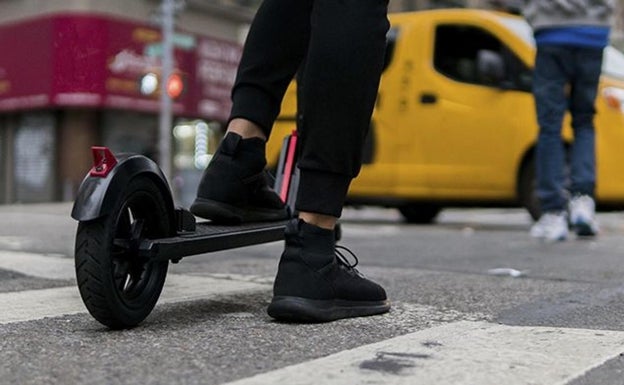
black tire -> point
(419, 213)
(118, 287)
(526, 189)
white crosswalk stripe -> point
(36, 304)
(453, 352)
(37, 265)
(460, 353)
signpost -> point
(165, 118)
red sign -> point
(96, 61)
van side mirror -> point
(490, 67)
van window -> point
(456, 51)
(391, 38)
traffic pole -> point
(166, 104)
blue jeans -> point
(565, 78)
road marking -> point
(359, 231)
(463, 352)
(37, 304)
(11, 242)
(37, 265)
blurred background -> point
(83, 72)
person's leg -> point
(275, 47)
(314, 281)
(588, 65)
(549, 82)
(340, 84)
(582, 107)
(233, 188)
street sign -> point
(180, 40)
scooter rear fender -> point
(98, 195)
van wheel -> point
(419, 213)
(526, 189)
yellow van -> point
(454, 123)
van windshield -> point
(613, 62)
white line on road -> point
(457, 353)
(37, 304)
(37, 265)
(466, 352)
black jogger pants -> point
(339, 46)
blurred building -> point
(85, 72)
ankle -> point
(246, 129)
(326, 222)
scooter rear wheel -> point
(118, 287)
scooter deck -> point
(208, 237)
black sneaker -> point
(315, 283)
(235, 188)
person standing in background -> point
(570, 36)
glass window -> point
(34, 158)
(131, 132)
(457, 48)
(391, 38)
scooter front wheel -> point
(118, 286)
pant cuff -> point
(255, 105)
(322, 192)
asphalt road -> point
(565, 309)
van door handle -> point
(428, 98)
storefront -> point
(76, 80)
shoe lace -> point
(342, 258)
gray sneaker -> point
(551, 227)
(583, 215)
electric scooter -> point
(129, 230)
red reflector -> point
(288, 167)
(103, 161)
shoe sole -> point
(297, 309)
(544, 238)
(584, 230)
(220, 212)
